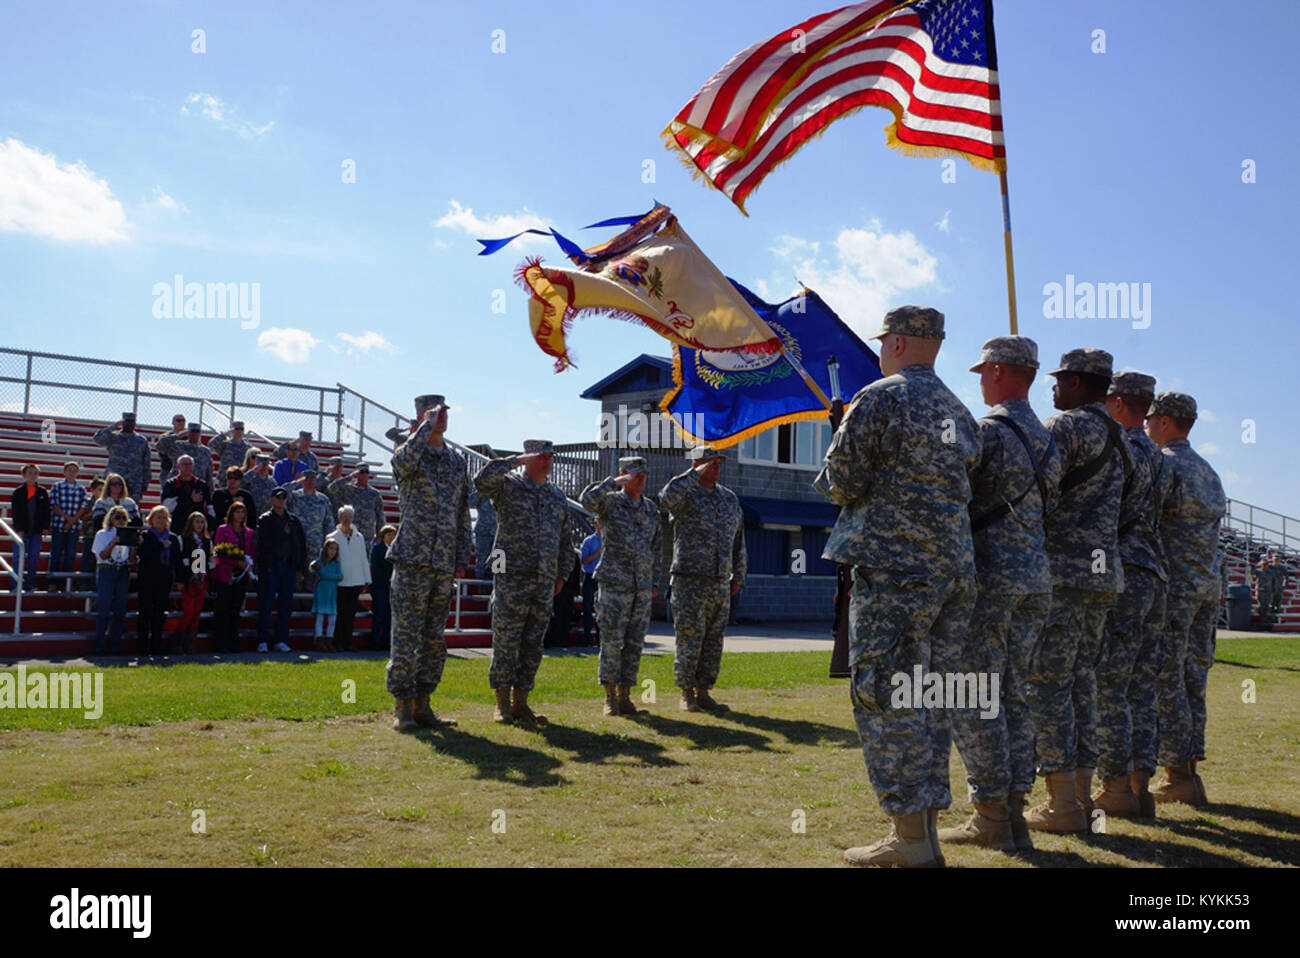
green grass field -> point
(278, 769)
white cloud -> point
(464, 219)
(60, 411)
(1204, 415)
(366, 342)
(943, 224)
(60, 201)
(155, 386)
(162, 200)
(864, 275)
(287, 344)
(1208, 449)
(205, 104)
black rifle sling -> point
(1081, 474)
(996, 513)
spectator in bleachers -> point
(88, 529)
(165, 446)
(68, 506)
(229, 448)
(355, 561)
(232, 492)
(128, 454)
(232, 576)
(314, 511)
(192, 446)
(160, 567)
(281, 552)
(325, 597)
(303, 444)
(114, 494)
(381, 578)
(259, 481)
(196, 553)
(355, 490)
(186, 492)
(112, 580)
(30, 515)
(288, 469)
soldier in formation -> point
(532, 541)
(128, 454)
(627, 576)
(709, 565)
(431, 549)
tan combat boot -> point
(908, 846)
(1200, 785)
(932, 832)
(425, 716)
(1117, 798)
(1083, 789)
(625, 704)
(1016, 803)
(611, 701)
(403, 721)
(990, 827)
(519, 707)
(1179, 786)
(707, 702)
(1061, 813)
(687, 704)
(1139, 780)
(501, 713)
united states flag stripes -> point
(932, 63)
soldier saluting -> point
(431, 549)
(709, 565)
(532, 542)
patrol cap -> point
(1008, 351)
(632, 465)
(1178, 405)
(538, 445)
(236, 424)
(428, 401)
(304, 434)
(1132, 383)
(308, 474)
(128, 417)
(363, 467)
(394, 435)
(279, 492)
(193, 427)
(701, 453)
(923, 321)
(1096, 362)
(263, 457)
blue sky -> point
(127, 158)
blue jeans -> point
(276, 585)
(63, 554)
(112, 583)
(32, 542)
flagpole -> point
(1006, 242)
(798, 367)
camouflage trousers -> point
(1126, 676)
(522, 603)
(623, 614)
(420, 597)
(998, 750)
(483, 554)
(700, 605)
(899, 621)
(1180, 685)
(1062, 686)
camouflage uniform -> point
(708, 559)
(1014, 581)
(367, 504)
(1130, 647)
(228, 452)
(307, 457)
(898, 468)
(129, 457)
(432, 540)
(533, 536)
(261, 488)
(626, 573)
(316, 514)
(485, 530)
(196, 451)
(1062, 688)
(165, 446)
(1189, 528)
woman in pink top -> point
(231, 577)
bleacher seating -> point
(1240, 549)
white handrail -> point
(231, 418)
(20, 553)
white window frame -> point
(748, 458)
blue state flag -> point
(724, 397)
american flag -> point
(932, 63)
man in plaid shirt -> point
(68, 506)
